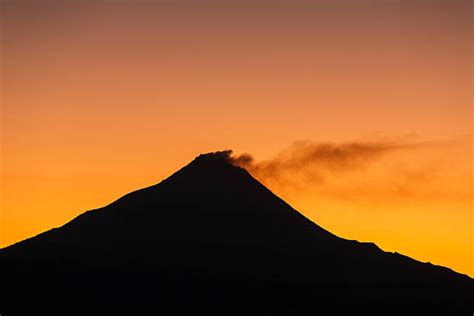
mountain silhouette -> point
(212, 239)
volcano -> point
(212, 239)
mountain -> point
(212, 239)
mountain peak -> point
(225, 157)
(211, 170)
(215, 155)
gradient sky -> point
(103, 97)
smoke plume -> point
(381, 169)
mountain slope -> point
(211, 237)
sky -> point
(358, 113)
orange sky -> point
(100, 98)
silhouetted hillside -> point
(211, 238)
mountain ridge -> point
(212, 226)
